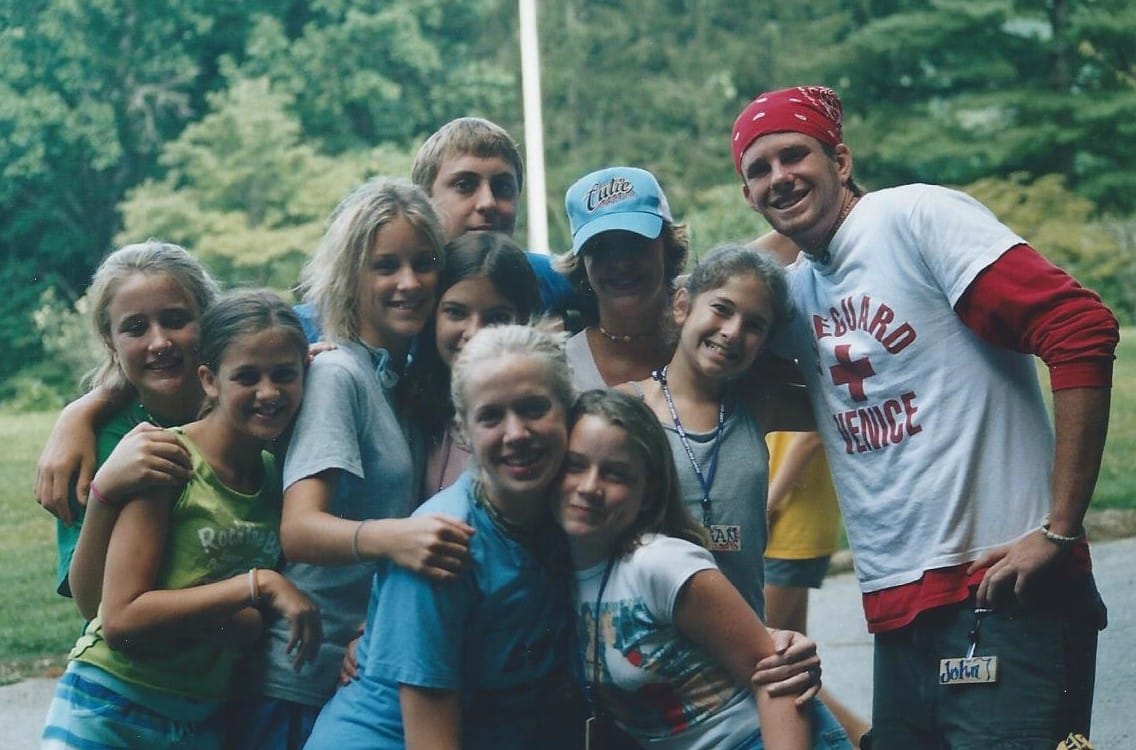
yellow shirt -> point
(808, 524)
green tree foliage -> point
(1061, 225)
(90, 91)
(244, 189)
(955, 90)
(718, 214)
(649, 83)
(364, 73)
(234, 127)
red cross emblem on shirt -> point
(851, 373)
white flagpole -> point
(534, 129)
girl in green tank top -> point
(188, 576)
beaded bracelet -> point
(100, 497)
(1061, 540)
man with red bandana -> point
(917, 317)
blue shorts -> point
(797, 574)
(86, 711)
(263, 722)
(1044, 688)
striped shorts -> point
(88, 713)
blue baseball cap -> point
(616, 198)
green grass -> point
(37, 627)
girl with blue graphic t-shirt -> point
(188, 571)
(667, 643)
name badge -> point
(1075, 742)
(725, 537)
(977, 670)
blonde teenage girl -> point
(146, 305)
(188, 570)
(480, 663)
(354, 463)
(486, 281)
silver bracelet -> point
(355, 542)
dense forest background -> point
(234, 128)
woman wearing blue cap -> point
(626, 253)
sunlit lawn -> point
(34, 622)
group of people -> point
(486, 533)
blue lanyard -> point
(706, 481)
(592, 685)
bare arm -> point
(714, 615)
(85, 576)
(779, 245)
(431, 719)
(789, 473)
(1081, 417)
(433, 545)
(1023, 302)
(148, 457)
(1081, 423)
(68, 458)
(136, 614)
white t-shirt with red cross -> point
(940, 443)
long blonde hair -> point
(330, 278)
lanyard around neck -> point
(705, 480)
(592, 686)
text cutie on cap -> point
(624, 198)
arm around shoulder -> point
(68, 458)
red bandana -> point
(812, 110)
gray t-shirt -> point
(348, 422)
(737, 497)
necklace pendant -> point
(620, 338)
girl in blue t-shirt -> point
(189, 569)
(481, 662)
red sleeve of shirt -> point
(1023, 302)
